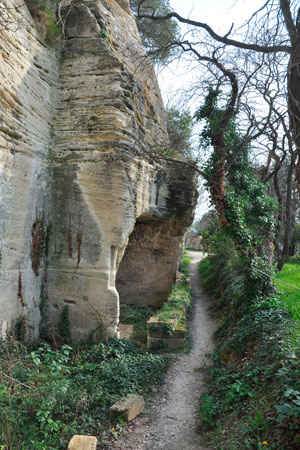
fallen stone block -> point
(178, 334)
(156, 343)
(155, 328)
(128, 407)
(83, 443)
(175, 344)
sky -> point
(219, 14)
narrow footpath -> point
(169, 422)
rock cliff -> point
(88, 217)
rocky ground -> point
(168, 422)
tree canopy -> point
(179, 126)
(156, 40)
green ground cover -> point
(177, 306)
(252, 395)
(47, 394)
(179, 300)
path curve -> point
(169, 424)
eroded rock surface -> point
(79, 186)
(83, 443)
(28, 74)
(128, 407)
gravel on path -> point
(169, 422)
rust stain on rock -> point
(70, 249)
(37, 244)
(78, 245)
(20, 293)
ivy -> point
(245, 209)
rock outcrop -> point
(80, 186)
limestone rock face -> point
(79, 185)
(28, 73)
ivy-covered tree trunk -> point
(293, 80)
(244, 208)
(217, 186)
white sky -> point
(219, 14)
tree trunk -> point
(288, 219)
(294, 96)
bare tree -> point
(272, 30)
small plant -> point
(290, 410)
(208, 411)
(168, 329)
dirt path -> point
(169, 423)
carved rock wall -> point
(27, 96)
(79, 180)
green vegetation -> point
(179, 127)
(156, 39)
(174, 311)
(289, 296)
(43, 11)
(137, 316)
(47, 395)
(176, 308)
(252, 392)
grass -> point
(177, 306)
(289, 296)
(179, 300)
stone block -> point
(168, 328)
(156, 343)
(155, 328)
(175, 344)
(178, 334)
(128, 407)
(83, 443)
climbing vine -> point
(244, 207)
